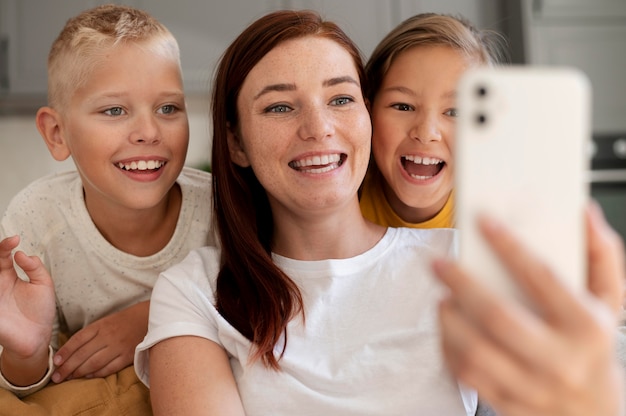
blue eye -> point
(114, 111)
(342, 101)
(453, 112)
(167, 109)
(281, 108)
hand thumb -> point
(34, 269)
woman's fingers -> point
(507, 323)
(607, 265)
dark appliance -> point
(608, 178)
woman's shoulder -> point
(199, 269)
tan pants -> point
(120, 394)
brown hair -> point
(85, 39)
(432, 29)
(253, 294)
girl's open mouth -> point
(422, 167)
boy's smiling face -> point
(127, 129)
(413, 117)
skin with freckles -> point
(304, 130)
(298, 140)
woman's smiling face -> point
(304, 127)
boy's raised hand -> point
(26, 308)
(103, 347)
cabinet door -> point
(365, 21)
(599, 51)
(368, 21)
(28, 28)
(578, 8)
(204, 29)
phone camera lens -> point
(481, 91)
(481, 119)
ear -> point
(237, 154)
(49, 124)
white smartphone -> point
(522, 155)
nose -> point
(316, 123)
(426, 128)
(146, 130)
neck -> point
(140, 232)
(410, 214)
(343, 234)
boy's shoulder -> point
(43, 206)
(196, 177)
(195, 180)
(52, 187)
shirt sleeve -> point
(26, 390)
(181, 305)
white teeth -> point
(421, 178)
(316, 161)
(422, 160)
(141, 165)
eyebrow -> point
(292, 87)
(174, 94)
(407, 91)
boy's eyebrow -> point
(292, 87)
(174, 94)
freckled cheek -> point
(364, 143)
(363, 127)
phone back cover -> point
(525, 165)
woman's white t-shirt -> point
(369, 344)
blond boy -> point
(106, 230)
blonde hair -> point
(86, 39)
(431, 29)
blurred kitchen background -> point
(588, 34)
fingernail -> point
(56, 377)
(57, 360)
